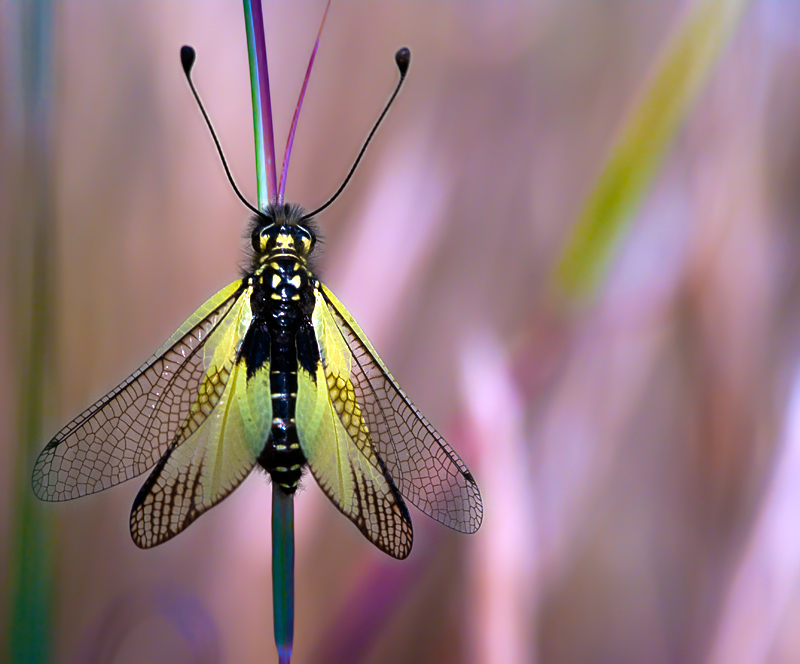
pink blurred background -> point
(638, 454)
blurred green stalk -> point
(30, 614)
(644, 142)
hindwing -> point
(335, 441)
(426, 470)
(199, 471)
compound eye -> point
(305, 240)
(261, 238)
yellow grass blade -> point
(644, 140)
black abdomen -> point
(285, 304)
(282, 457)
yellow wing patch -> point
(217, 446)
(426, 470)
(335, 440)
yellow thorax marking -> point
(284, 241)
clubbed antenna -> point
(402, 58)
(188, 57)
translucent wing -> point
(333, 438)
(198, 472)
(128, 430)
(425, 468)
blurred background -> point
(574, 243)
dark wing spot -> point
(255, 348)
(307, 349)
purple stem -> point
(290, 139)
(265, 99)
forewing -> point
(198, 472)
(425, 468)
(127, 431)
(348, 472)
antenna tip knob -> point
(403, 59)
(188, 56)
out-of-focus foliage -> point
(26, 633)
(638, 456)
(646, 135)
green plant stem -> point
(282, 503)
(266, 174)
(283, 571)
